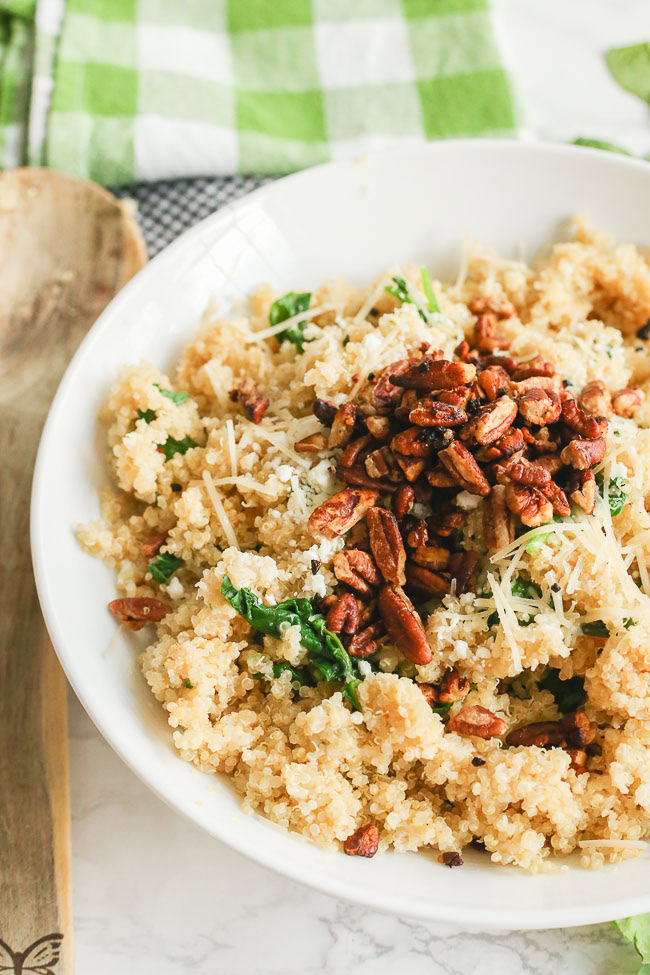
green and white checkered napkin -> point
(144, 89)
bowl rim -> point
(485, 918)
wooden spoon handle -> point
(66, 247)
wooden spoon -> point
(66, 247)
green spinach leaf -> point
(599, 144)
(327, 655)
(427, 285)
(630, 66)
(163, 567)
(172, 446)
(616, 496)
(177, 398)
(569, 694)
(147, 415)
(286, 307)
(400, 290)
(636, 930)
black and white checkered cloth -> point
(168, 207)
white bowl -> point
(347, 219)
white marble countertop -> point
(155, 896)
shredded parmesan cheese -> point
(507, 619)
(302, 316)
(291, 454)
(232, 447)
(614, 844)
(242, 480)
(217, 504)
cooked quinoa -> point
(222, 477)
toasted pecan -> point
(343, 616)
(343, 425)
(532, 507)
(539, 406)
(403, 624)
(581, 488)
(311, 444)
(582, 454)
(403, 501)
(386, 544)
(477, 721)
(460, 464)
(595, 399)
(491, 422)
(135, 611)
(336, 515)
(426, 581)
(498, 526)
(356, 569)
(153, 545)
(453, 687)
(588, 427)
(433, 413)
(625, 402)
(364, 643)
(431, 373)
(364, 842)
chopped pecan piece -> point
(324, 411)
(356, 569)
(493, 381)
(578, 760)
(453, 687)
(542, 441)
(477, 721)
(498, 526)
(626, 402)
(463, 468)
(458, 396)
(311, 445)
(551, 463)
(581, 488)
(432, 413)
(510, 443)
(431, 556)
(532, 507)
(403, 624)
(430, 693)
(254, 402)
(153, 545)
(552, 384)
(462, 568)
(523, 471)
(339, 513)
(411, 466)
(588, 427)
(578, 729)
(407, 403)
(439, 478)
(535, 367)
(491, 422)
(558, 499)
(596, 400)
(358, 477)
(354, 450)
(486, 337)
(364, 842)
(378, 463)
(419, 535)
(135, 611)
(343, 616)
(540, 406)
(543, 734)
(343, 425)
(387, 546)
(410, 444)
(502, 309)
(583, 454)
(451, 859)
(445, 524)
(385, 394)
(424, 580)
(364, 643)
(431, 373)
(378, 426)
(403, 501)
(504, 361)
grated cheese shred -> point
(217, 504)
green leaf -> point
(400, 290)
(327, 655)
(569, 694)
(442, 709)
(595, 628)
(286, 307)
(146, 415)
(172, 446)
(636, 930)
(188, 683)
(616, 496)
(427, 285)
(630, 66)
(163, 567)
(525, 590)
(599, 144)
(176, 398)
